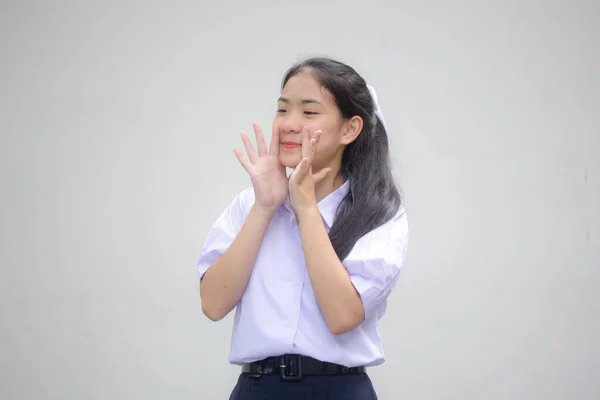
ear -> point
(351, 129)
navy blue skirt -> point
(314, 387)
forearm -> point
(224, 282)
(337, 297)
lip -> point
(291, 145)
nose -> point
(289, 125)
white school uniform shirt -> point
(278, 312)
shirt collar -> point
(327, 206)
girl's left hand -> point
(302, 181)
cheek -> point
(322, 157)
(327, 150)
(328, 143)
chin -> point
(290, 160)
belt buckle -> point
(291, 367)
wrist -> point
(306, 214)
(265, 213)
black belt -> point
(292, 367)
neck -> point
(329, 184)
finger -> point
(242, 160)
(300, 171)
(304, 168)
(319, 176)
(283, 170)
(274, 151)
(249, 148)
(305, 142)
(314, 142)
(260, 140)
(311, 151)
(317, 135)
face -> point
(304, 102)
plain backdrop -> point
(118, 120)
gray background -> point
(118, 120)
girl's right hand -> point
(266, 172)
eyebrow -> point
(304, 101)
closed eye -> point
(310, 113)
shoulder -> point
(396, 227)
(238, 209)
(388, 241)
(245, 199)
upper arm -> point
(224, 231)
(375, 262)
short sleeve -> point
(224, 230)
(375, 262)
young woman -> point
(308, 261)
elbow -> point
(210, 308)
(344, 325)
(345, 320)
(213, 313)
(210, 314)
(339, 329)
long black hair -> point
(373, 198)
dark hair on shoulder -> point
(373, 198)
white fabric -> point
(278, 312)
(378, 111)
